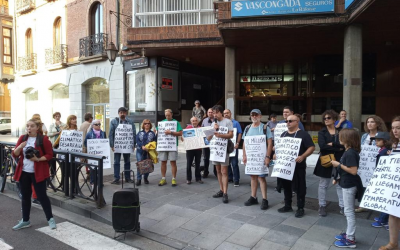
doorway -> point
(100, 112)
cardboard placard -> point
(218, 146)
(193, 138)
(71, 141)
(123, 140)
(256, 150)
(367, 163)
(166, 142)
(279, 130)
(99, 147)
(286, 150)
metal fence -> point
(67, 173)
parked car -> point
(5, 125)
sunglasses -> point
(327, 118)
(254, 114)
(290, 121)
(97, 124)
(146, 123)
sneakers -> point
(146, 181)
(299, 213)
(236, 184)
(138, 182)
(345, 243)
(115, 182)
(225, 198)
(173, 182)
(218, 194)
(130, 181)
(21, 224)
(162, 182)
(251, 201)
(36, 202)
(264, 204)
(342, 211)
(322, 211)
(376, 219)
(200, 181)
(377, 224)
(230, 181)
(342, 236)
(360, 210)
(285, 209)
(52, 224)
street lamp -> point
(112, 52)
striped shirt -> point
(395, 149)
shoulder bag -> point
(145, 166)
(326, 160)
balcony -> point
(24, 5)
(93, 48)
(56, 57)
(27, 65)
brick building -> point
(6, 53)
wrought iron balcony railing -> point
(56, 55)
(24, 5)
(27, 63)
(93, 45)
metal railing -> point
(56, 55)
(156, 13)
(93, 45)
(66, 173)
(27, 62)
(24, 5)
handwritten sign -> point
(71, 141)
(218, 146)
(166, 142)
(234, 139)
(279, 130)
(123, 141)
(367, 163)
(99, 147)
(256, 150)
(383, 190)
(193, 138)
(286, 150)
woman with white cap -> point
(199, 111)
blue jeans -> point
(234, 162)
(140, 157)
(117, 165)
(349, 196)
(384, 218)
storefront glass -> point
(97, 101)
(142, 90)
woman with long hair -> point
(37, 117)
(34, 151)
(144, 137)
(71, 125)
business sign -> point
(347, 3)
(166, 83)
(249, 8)
(139, 62)
(169, 63)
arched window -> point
(28, 42)
(96, 19)
(57, 32)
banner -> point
(286, 150)
(367, 163)
(256, 150)
(123, 140)
(234, 139)
(383, 191)
(193, 138)
(166, 142)
(218, 146)
(71, 141)
(279, 130)
(99, 147)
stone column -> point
(352, 74)
(230, 79)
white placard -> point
(383, 191)
(234, 139)
(99, 147)
(209, 131)
(166, 142)
(286, 150)
(193, 138)
(123, 140)
(279, 130)
(218, 146)
(71, 141)
(256, 150)
(367, 162)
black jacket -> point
(323, 139)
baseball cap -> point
(256, 111)
(197, 101)
(122, 109)
(383, 135)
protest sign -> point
(256, 149)
(71, 141)
(367, 163)
(286, 150)
(218, 146)
(383, 190)
(234, 139)
(166, 142)
(193, 138)
(280, 129)
(123, 140)
(99, 147)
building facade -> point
(8, 60)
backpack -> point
(38, 142)
(248, 127)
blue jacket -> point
(345, 124)
(114, 124)
(92, 135)
(143, 138)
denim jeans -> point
(234, 163)
(117, 165)
(349, 196)
(323, 187)
(384, 218)
(191, 155)
(140, 156)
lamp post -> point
(112, 52)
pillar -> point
(352, 74)
(230, 79)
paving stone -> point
(209, 240)
(248, 235)
(265, 244)
(274, 211)
(201, 222)
(284, 235)
(333, 221)
(302, 244)
(227, 225)
(168, 225)
(146, 223)
(267, 220)
(240, 217)
(304, 223)
(250, 211)
(366, 235)
(182, 235)
(162, 212)
(199, 207)
(230, 246)
(320, 234)
(223, 210)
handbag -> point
(146, 166)
(230, 147)
(326, 160)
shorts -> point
(168, 155)
(226, 163)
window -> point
(28, 42)
(57, 32)
(7, 46)
(96, 17)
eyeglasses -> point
(146, 123)
(327, 118)
(290, 121)
(254, 114)
(97, 124)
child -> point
(382, 140)
(348, 181)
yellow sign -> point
(315, 139)
(99, 117)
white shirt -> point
(29, 166)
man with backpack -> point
(255, 129)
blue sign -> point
(347, 3)
(248, 8)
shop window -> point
(7, 43)
(142, 90)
